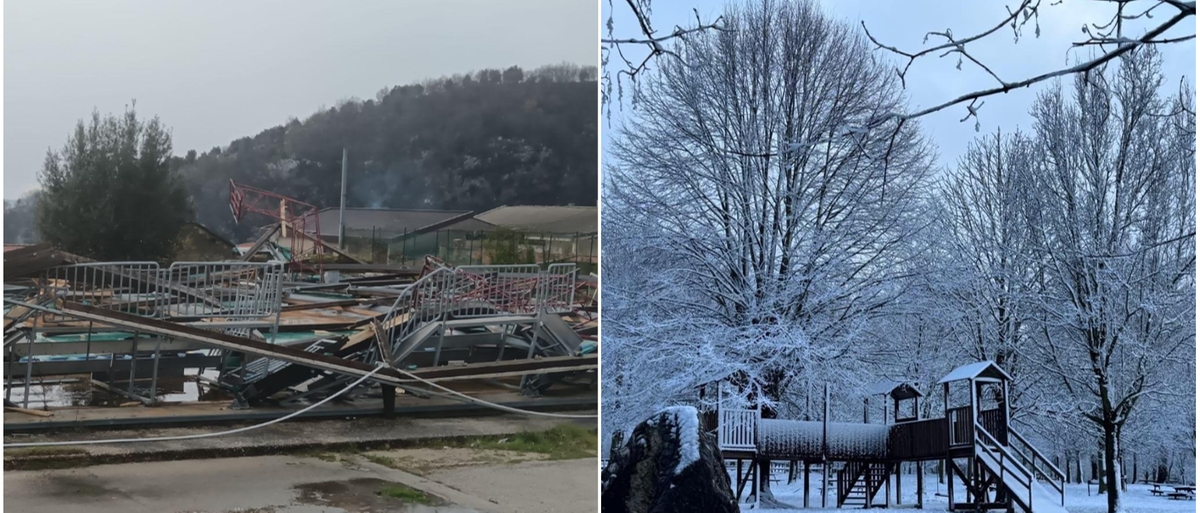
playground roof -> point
(896, 389)
(987, 369)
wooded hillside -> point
(472, 142)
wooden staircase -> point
(858, 482)
(1031, 480)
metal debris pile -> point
(260, 334)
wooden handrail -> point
(1057, 473)
(1032, 463)
(1003, 451)
(1059, 485)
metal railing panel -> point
(478, 291)
(556, 288)
(421, 301)
(232, 290)
(131, 287)
(485, 290)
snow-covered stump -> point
(667, 465)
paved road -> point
(531, 487)
(287, 484)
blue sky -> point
(932, 80)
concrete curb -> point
(430, 411)
(240, 446)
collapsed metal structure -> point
(271, 340)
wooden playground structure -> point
(998, 468)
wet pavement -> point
(284, 436)
(286, 484)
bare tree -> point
(649, 44)
(777, 262)
(1132, 25)
(992, 275)
(1117, 227)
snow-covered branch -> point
(1108, 38)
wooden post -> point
(825, 448)
(899, 466)
(946, 397)
(974, 407)
(972, 494)
(389, 401)
(739, 480)
(887, 489)
(1004, 383)
(920, 485)
(824, 481)
(950, 482)
(807, 467)
(754, 481)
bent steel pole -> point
(317, 360)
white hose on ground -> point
(200, 435)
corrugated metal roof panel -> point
(389, 221)
(541, 218)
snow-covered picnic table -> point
(1181, 491)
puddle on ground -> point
(83, 487)
(363, 496)
(76, 390)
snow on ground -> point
(1137, 499)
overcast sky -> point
(215, 71)
(933, 81)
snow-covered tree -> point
(772, 238)
(1116, 224)
(770, 219)
(985, 221)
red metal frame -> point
(297, 215)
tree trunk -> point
(1112, 468)
(764, 481)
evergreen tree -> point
(110, 193)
